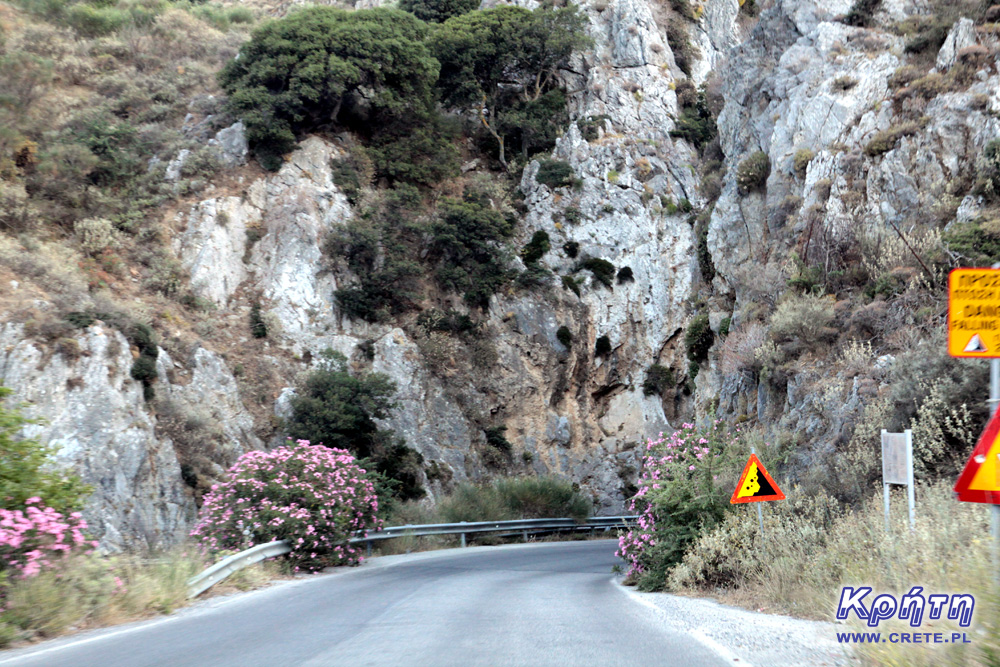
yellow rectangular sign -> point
(974, 313)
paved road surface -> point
(538, 604)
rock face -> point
(795, 81)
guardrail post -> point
(525, 533)
(368, 548)
(463, 540)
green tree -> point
(326, 66)
(467, 244)
(337, 409)
(438, 11)
(26, 468)
(493, 59)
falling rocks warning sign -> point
(974, 313)
(755, 484)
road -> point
(537, 604)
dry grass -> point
(94, 591)
(811, 549)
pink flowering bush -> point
(37, 537)
(313, 496)
(678, 497)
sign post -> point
(897, 468)
(755, 486)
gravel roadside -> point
(747, 638)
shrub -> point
(438, 11)
(92, 21)
(466, 244)
(803, 320)
(988, 171)
(258, 327)
(329, 66)
(680, 44)
(905, 75)
(572, 216)
(625, 275)
(801, 161)
(572, 249)
(658, 380)
(495, 438)
(929, 38)
(885, 141)
(752, 172)
(515, 498)
(33, 538)
(352, 173)
(602, 270)
(981, 247)
(602, 347)
(554, 173)
(570, 283)
(421, 154)
(843, 83)
(313, 496)
(862, 12)
(696, 124)
(677, 501)
(698, 338)
(702, 252)
(340, 410)
(536, 247)
(564, 336)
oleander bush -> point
(315, 497)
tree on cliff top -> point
(500, 59)
(325, 66)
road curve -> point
(538, 604)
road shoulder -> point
(747, 638)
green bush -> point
(602, 270)
(467, 246)
(421, 153)
(336, 409)
(536, 247)
(698, 338)
(495, 438)
(28, 468)
(572, 249)
(658, 380)
(564, 336)
(92, 21)
(803, 320)
(625, 275)
(570, 283)
(801, 161)
(862, 12)
(554, 173)
(308, 67)
(352, 173)
(438, 11)
(886, 140)
(258, 327)
(929, 38)
(515, 498)
(752, 172)
(978, 246)
(680, 44)
(702, 251)
(988, 171)
(696, 124)
(602, 346)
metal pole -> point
(463, 540)
(885, 502)
(995, 509)
(760, 512)
(910, 493)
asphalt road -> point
(539, 604)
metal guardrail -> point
(200, 583)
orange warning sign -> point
(974, 313)
(755, 484)
(980, 480)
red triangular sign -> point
(980, 480)
(755, 484)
